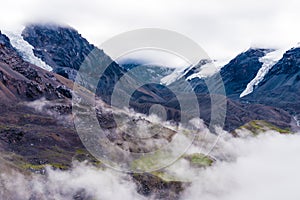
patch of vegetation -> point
(150, 162)
(4, 127)
(166, 177)
(82, 155)
(81, 152)
(29, 166)
(199, 160)
(59, 166)
(21, 163)
(260, 126)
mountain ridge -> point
(152, 94)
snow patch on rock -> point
(203, 71)
(269, 60)
(25, 49)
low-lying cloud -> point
(261, 167)
(82, 181)
(265, 167)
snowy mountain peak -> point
(201, 70)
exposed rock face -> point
(62, 89)
(4, 40)
(150, 185)
(22, 80)
(64, 49)
(281, 86)
(241, 70)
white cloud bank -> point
(260, 168)
(65, 185)
(266, 167)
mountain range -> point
(64, 49)
(36, 92)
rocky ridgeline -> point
(281, 86)
(22, 80)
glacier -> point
(25, 49)
(268, 61)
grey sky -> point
(222, 27)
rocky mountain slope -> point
(22, 80)
(56, 45)
(37, 129)
(257, 76)
(36, 123)
(151, 73)
(280, 86)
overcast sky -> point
(221, 27)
